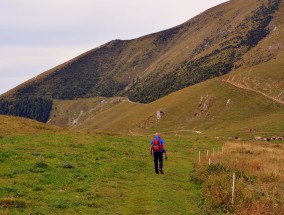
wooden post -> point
(209, 161)
(233, 187)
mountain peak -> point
(214, 43)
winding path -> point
(253, 90)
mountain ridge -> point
(216, 105)
(152, 66)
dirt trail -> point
(136, 103)
(250, 89)
(177, 131)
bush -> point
(41, 164)
(216, 180)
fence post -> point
(209, 161)
(233, 187)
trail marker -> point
(233, 187)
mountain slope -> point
(266, 78)
(150, 67)
(214, 105)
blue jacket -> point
(160, 139)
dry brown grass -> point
(265, 163)
(262, 159)
(259, 169)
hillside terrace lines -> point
(253, 90)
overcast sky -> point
(37, 35)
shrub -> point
(41, 164)
(218, 193)
(67, 166)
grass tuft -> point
(12, 203)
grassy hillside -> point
(210, 107)
(150, 67)
(65, 173)
(69, 113)
(48, 171)
(266, 78)
(270, 46)
(11, 125)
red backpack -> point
(157, 146)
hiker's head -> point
(157, 135)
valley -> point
(75, 139)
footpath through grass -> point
(81, 174)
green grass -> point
(267, 78)
(64, 173)
(183, 111)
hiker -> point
(158, 148)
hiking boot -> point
(161, 171)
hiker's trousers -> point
(158, 161)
